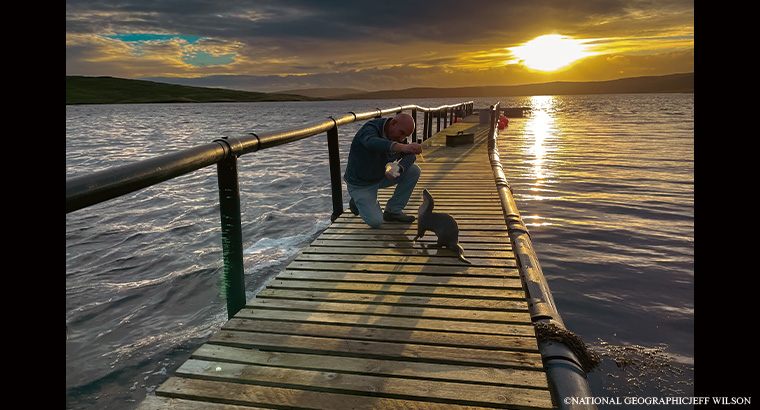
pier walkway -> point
(368, 319)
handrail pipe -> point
(564, 370)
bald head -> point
(399, 127)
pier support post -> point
(429, 125)
(335, 182)
(233, 280)
(414, 133)
(425, 130)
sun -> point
(551, 52)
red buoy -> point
(503, 122)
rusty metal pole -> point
(425, 129)
(414, 133)
(335, 182)
(233, 279)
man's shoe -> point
(352, 206)
(399, 217)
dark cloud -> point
(440, 20)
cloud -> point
(391, 20)
(598, 68)
(365, 44)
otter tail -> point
(460, 254)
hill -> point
(674, 83)
(324, 92)
(110, 90)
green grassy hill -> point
(110, 90)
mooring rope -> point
(549, 331)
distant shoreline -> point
(111, 90)
(673, 83)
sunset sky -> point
(377, 45)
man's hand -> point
(412, 148)
(392, 170)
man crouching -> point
(379, 159)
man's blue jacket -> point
(370, 151)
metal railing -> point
(564, 370)
(91, 189)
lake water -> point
(605, 184)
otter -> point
(443, 225)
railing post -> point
(233, 280)
(492, 115)
(438, 123)
(414, 133)
(430, 125)
(335, 182)
(425, 129)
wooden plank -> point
(280, 282)
(518, 304)
(404, 233)
(347, 383)
(406, 239)
(391, 368)
(428, 251)
(377, 349)
(407, 268)
(492, 342)
(471, 217)
(253, 395)
(401, 278)
(411, 259)
(372, 242)
(506, 329)
(485, 249)
(359, 224)
(164, 402)
(471, 315)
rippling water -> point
(604, 182)
(606, 187)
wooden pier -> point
(368, 319)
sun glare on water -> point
(551, 52)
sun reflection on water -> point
(540, 135)
(541, 128)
